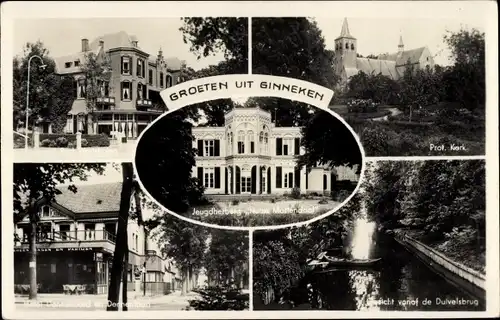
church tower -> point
(346, 47)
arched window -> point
(347, 46)
(139, 91)
(241, 142)
(169, 81)
(251, 140)
(352, 46)
(266, 143)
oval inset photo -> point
(260, 162)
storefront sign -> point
(245, 85)
(52, 249)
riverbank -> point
(461, 252)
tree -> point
(208, 36)
(51, 96)
(182, 241)
(328, 141)
(38, 183)
(120, 255)
(96, 71)
(227, 255)
(173, 135)
(295, 48)
(377, 87)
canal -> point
(401, 282)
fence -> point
(471, 280)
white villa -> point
(249, 155)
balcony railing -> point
(144, 103)
(106, 100)
(68, 236)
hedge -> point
(62, 140)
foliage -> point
(362, 105)
(376, 87)
(280, 256)
(227, 253)
(96, 70)
(51, 96)
(295, 48)
(219, 298)
(172, 134)
(33, 181)
(88, 140)
(295, 194)
(210, 35)
(323, 137)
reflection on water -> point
(401, 282)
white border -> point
(338, 10)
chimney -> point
(134, 43)
(101, 43)
(85, 45)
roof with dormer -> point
(91, 198)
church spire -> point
(345, 30)
(401, 46)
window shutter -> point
(297, 178)
(307, 178)
(279, 146)
(297, 145)
(217, 177)
(278, 177)
(122, 65)
(238, 179)
(200, 148)
(138, 70)
(217, 148)
(75, 88)
(200, 174)
(121, 89)
(130, 84)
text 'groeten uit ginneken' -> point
(248, 84)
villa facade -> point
(75, 244)
(250, 155)
(129, 97)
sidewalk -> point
(172, 301)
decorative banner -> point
(245, 85)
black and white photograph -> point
(86, 238)
(249, 159)
(248, 163)
(412, 239)
(408, 86)
(97, 93)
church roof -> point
(377, 66)
(344, 33)
(412, 55)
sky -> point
(152, 34)
(381, 35)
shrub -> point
(273, 200)
(62, 142)
(235, 202)
(96, 140)
(85, 143)
(219, 298)
(323, 201)
(46, 143)
(295, 193)
(71, 145)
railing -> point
(67, 236)
(144, 103)
(106, 100)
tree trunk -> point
(125, 276)
(32, 260)
(121, 237)
(188, 280)
(184, 280)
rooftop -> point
(92, 198)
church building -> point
(250, 155)
(348, 63)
